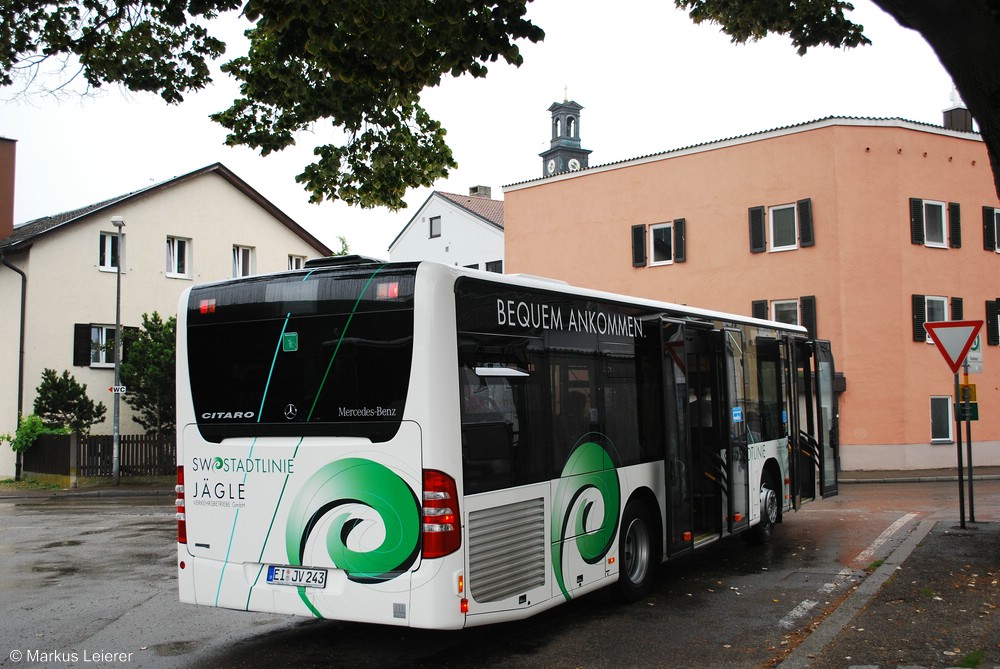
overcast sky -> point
(648, 78)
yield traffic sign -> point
(954, 339)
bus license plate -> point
(296, 576)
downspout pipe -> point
(20, 351)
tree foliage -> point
(62, 402)
(28, 430)
(357, 67)
(808, 24)
(148, 371)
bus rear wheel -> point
(636, 552)
(762, 532)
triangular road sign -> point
(954, 339)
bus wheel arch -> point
(640, 546)
(770, 505)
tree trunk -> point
(965, 35)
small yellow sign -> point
(967, 392)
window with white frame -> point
(783, 228)
(178, 257)
(996, 230)
(435, 226)
(941, 419)
(785, 311)
(296, 262)
(936, 308)
(102, 345)
(661, 242)
(242, 260)
(108, 254)
(935, 233)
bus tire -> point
(636, 551)
(762, 532)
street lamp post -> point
(119, 223)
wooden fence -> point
(92, 456)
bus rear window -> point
(318, 353)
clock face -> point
(551, 167)
(574, 164)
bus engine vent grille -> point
(506, 550)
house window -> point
(794, 312)
(102, 345)
(936, 310)
(242, 260)
(935, 224)
(495, 266)
(109, 252)
(661, 244)
(435, 226)
(785, 311)
(178, 257)
(781, 227)
(996, 230)
(667, 243)
(784, 235)
(941, 419)
(296, 262)
(933, 308)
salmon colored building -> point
(859, 229)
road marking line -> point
(866, 555)
(790, 620)
(804, 607)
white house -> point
(58, 277)
(463, 230)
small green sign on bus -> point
(290, 342)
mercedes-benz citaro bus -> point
(438, 447)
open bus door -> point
(706, 435)
(816, 449)
(738, 452)
(675, 421)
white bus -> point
(437, 447)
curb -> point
(812, 647)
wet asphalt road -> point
(90, 582)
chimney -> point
(7, 150)
(956, 116)
(481, 191)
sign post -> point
(954, 339)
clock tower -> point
(564, 154)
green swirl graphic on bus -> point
(362, 514)
(589, 471)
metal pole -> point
(119, 223)
(958, 442)
(968, 438)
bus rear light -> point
(442, 529)
(388, 290)
(464, 606)
(181, 517)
